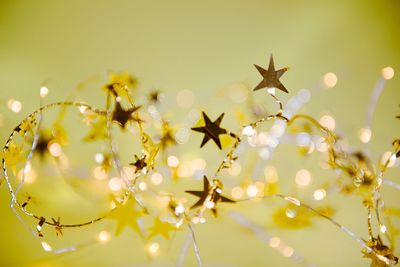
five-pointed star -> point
(57, 226)
(161, 228)
(27, 126)
(13, 156)
(126, 215)
(154, 96)
(140, 163)
(271, 77)
(211, 130)
(209, 193)
(122, 116)
(167, 137)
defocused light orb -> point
(328, 122)
(365, 135)
(330, 79)
(387, 73)
(303, 177)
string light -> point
(156, 178)
(252, 190)
(330, 80)
(115, 184)
(180, 209)
(303, 177)
(290, 213)
(99, 173)
(319, 194)
(387, 73)
(44, 91)
(142, 186)
(328, 122)
(153, 248)
(55, 149)
(46, 246)
(274, 242)
(365, 135)
(287, 252)
(14, 105)
(99, 158)
(173, 161)
(248, 131)
(382, 228)
(103, 237)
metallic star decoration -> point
(161, 228)
(211, 130)
(167, 137)
(210, 196)
(27, 126)
(13, 156)
(126, 215)
(140, 163)
(154, 97)
(122, 116)
(271, 77)
(57, 226)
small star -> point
(211, 130)
(140, 163)
(27, 126)
(271, 77)
(122, 116)
(126, 215)
(41, 146)
(167, 137)
(161, 228)
(154, 96)
(57, 226)
(210, 194)
(13, 156)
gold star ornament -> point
(271, 77)
(57, 226)
(161, 228)
(211, 130)
(139, 164)
(382, 256)
(123, 116)
(210, 196)
(126, 215)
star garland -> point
(364, 178)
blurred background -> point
(202, 51)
